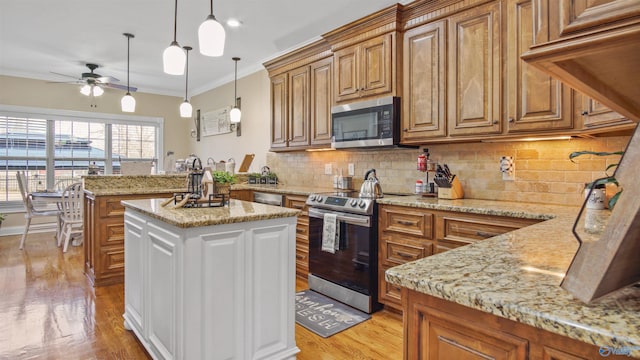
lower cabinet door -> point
(442, 336)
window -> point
(56, 147)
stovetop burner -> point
(342, 200)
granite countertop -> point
(282, 189)
(237, 211)
(517, 275)
(110, 185)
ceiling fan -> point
(94, 83)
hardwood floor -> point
(48, 310)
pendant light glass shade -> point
(211, 36)
(128, 103)
(97, 90)
(235, 114)
(85, 90)
(174, 58)
(186, 110)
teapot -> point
(371, 186)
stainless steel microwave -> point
(371, 123)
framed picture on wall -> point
(216, 122)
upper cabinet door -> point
(474, 71)
(376, 70)
(321, 101)
(594, 114)
(365, 69)
(535, 100)
(279, 110)
(424, 83)
(346, 79)
(299, 107)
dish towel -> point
(330, 233)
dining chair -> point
(71, 216)
(31, 211)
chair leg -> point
(26, 229)
(59, 231)
(66, 231)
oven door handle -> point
(340, 216)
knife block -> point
(453, 192)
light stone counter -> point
(109, 185)
(517, 275)
(235, 212)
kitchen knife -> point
(447, 172)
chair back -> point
(24, 190)
(72, 202)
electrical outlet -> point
(508, 168)
(351, 169)
(327, 169)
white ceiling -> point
(39, 37)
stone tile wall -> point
(544, 173)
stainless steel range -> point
(347, 270)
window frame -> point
(74, 115)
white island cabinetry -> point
(211, 283)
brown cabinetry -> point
(407, 234)
(437, 329)
(243, 194)
(365, 69)
(104, 236)
(301, 106)
(302, 234)
(595, 114)
(475, 71)
(536, 102)
(424, 83)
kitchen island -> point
(211, 282)
(501, 297)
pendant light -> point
(128, 103)
(173, 57)
(186, 110)
(211, 36)
(235, 114)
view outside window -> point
(55, 153)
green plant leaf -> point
(575, 154)
(614, 199)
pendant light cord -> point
(186, 82)
(128, 54)
(211, 4)
(235, 83)
(175, 22)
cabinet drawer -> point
(404, 220)
(298, 203)
(468, 230)
(110, 207)
(111, 260)
(397, 253)
(111, 233)
(302, 259)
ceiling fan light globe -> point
(128, 103)
(85, 90)
(234, 115)
(186, 110)
(211, 37)
(174, 59)
(97, 91)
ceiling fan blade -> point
(121, 87)
(65, 82)
(107, 79)
(71, 76)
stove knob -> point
(353, 202)
(362, 204)
(312, 197)
(319, 198)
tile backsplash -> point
(543, 171)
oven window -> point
(352, 265)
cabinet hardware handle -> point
(494, 122)
(403, 222)
(512, 120)
(584, 113)
(405, 129)
(464, 347)
(299, 256)
(300, 231)
(405, 255)
(485, 234)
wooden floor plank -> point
(49, 310)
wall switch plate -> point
(351, 169)
(508, 168)
(327, 169)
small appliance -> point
(371, 123)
